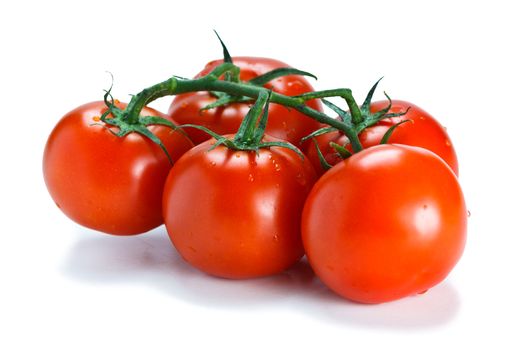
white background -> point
(63, 285)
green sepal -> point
(323, 162)
(388, 133)
(227, 56)
(246, 131)
(284, 145)
(341, 151)
(111, 108)
(204, 129)
(154, 120)
(147, 133)
(221, 69)
(228, 76)
(375, 118)
(261, 127)
(346, 117)
(217, 94)
(222, 100)
(219, 141)
(125, 128)
(367, 101)
(318, 132)
(226, 100)
(230, 72)
(277, 73)
(385, 110)
(400, 114)
(108, 93)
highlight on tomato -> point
(232, 204)
(223, 113)
(106, 172)
(386, 223)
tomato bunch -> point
(374, 201)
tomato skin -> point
(425, 131)
(284, 123)
(234, 214)
(388, 222)
(105, 182)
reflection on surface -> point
(427, 219)
(151, 260)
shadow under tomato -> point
(151, 260)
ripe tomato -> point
(236, 214)
(424, 131)
(104, 182)
(284, 123)
(388, 222)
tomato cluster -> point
(386, 222)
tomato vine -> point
(213, 83)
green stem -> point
(148, 95)
(211, 82)
(346, 94)
(247, 130)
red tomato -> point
(425, 131)
(236, 214)
(104, 182)
(388, 222)
(284, 123)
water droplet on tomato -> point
(275, 237)
(301, 179)
(275, 164)
(213, 163)
(251, 178)
(295, 84)
(448, 143)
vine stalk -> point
(212, 82)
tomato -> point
(424, 131)
(104, 182)
(388, 222)
(284, 123)
(236, 214)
